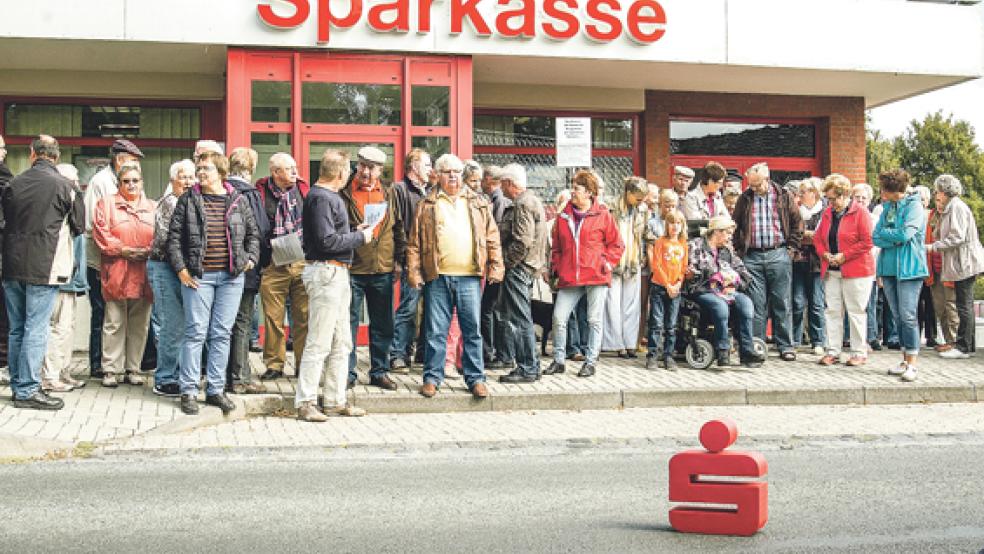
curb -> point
(17, 447)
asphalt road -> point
(861, 498)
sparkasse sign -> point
(642, 21)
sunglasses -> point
(130, 181)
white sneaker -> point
(818, 351)
(910, 374)
(954, 354)
(899, 369)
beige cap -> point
(683, 170)
(720, 222)
(372, 154)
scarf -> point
(288, 217)
(807, 213)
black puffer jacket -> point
(186, 234)
(252, 197)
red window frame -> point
(742, 163)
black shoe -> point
(222, 401)
(96, 373)
(350, 385)
(383, 382)
(290, 346)
(724, 358)
(626, 354)
(875, 345)
(189, 404)
(669, 364)
(587, 370)
(255, 346)
(752, 360)
(40, 401)
(554, 368)
(499, 364)
(170, 390)
(893, 346)
(271, 374)
(517, 377)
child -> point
(668, 261)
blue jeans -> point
(97, 306)
(441, 297)
(255, 324)
(168, 303)
(377, 290)
(405, 321)
(770, 291)
(808, 300)
(663, 312)
(720, 313)
(577, 329)
(210, 312)
(29, 310)
(515, 320)
(564, 302)
(903, 299)
(872, 313)
(890, 328)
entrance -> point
(315, 144)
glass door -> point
(314, 146)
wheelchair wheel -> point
(700, 354)
(760, 348)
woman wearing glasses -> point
(123, 229)
(212, 240)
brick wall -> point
(840, 122)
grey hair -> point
(45, 146)
(471, 168)
(128, 167)
(185, 165)
(68, 171)
(948, 185)
(812, 183)
(515, 173)
(923, 192)
(281, 159)
(761, 167)
(865, 187)
(449, 162)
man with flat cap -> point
(102, 184)
(683, 177)
(374, 263)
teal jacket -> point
(901, 234)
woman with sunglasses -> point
(123, 229)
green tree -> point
(880, 155)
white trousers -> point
(620, 330)
(851, 296)
(329, 335)
(59, 354)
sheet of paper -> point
(374, 213)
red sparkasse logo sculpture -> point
(644, 20)
(688, 485)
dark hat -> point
(123, 146)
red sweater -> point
(853, 239)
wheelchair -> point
(696, 330)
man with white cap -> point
(282, 196)
(374, 263)
(523, 233)
(682, 178)
(102, 184)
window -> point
(353, 104)
(766, 140)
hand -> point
(126, 252)
(186, 279)
(929, 248)
(139, 254)
(366, 234)
(397, 271)
(840, 259)
(808, 234)
(250, 265)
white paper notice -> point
(374, 213)
(573, 142)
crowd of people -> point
(808, 265)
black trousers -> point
(965, 311)
(489, 324)
(238, 369)
(98, 312)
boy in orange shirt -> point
(668, 262)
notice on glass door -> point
(573, 142)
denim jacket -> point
(901, 235)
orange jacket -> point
(115, 225)
(668, 261)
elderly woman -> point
(55, 374)
(123, 230)
(623, 304)
(585, 247)
(718, 281)
(807, 286)
(165, 284)
(472, 176)
(963, 258)
(211, 241)
(901, 264)
(843, 244)
(943, 292)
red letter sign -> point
(301, 11)
(751, 499)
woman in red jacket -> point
(585, 247)
(123, 228)
(843, 243)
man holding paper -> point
(373, 264)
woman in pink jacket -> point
(123, 229)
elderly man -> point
(328, 246)
(524, 238)
(282, 263)
(769, 225)
(102, 184)
(40, 209)
(406, 195)
(374, 263)
(239, 378)
(705, 201)
(682, 178)
(453, 246)
(495, 356)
